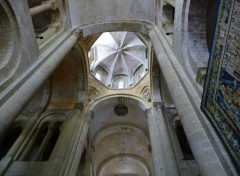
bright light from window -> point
(121, 85)
(89, 54)
(98, 76)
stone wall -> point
(92, 11)
(19, 48)
(197, 43)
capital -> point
(148, 113)
(150, 28)
(158, 105)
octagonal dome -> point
(118, 59)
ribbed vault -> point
(119, 59)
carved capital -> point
(150, 28)
(158, 105)
(148, 113)
(172, 114)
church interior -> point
(119, 87)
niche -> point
(168, 13)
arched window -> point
(98, 76)
(168, 19)
(43, 142)
(120, 82)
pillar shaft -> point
(76, 153)
(164, 161)
(29, 146)
(16, 102)
(44, 144)
(41, 8)
(203, 151)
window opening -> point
(121, 85)
(182, 138)
(98, 76)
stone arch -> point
(9, 43)
(120, 99)
(78, 52)
(119, 129)
(111, 26)
(72, 72)
(130, 158)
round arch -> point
(11, 40)
(111, 26)
(128, 99)
(119, 129)
(138, 161)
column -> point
(47, 5)
(203, 151)
(50, 60)
(44, 143)
(75, 158)
(164, 162)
